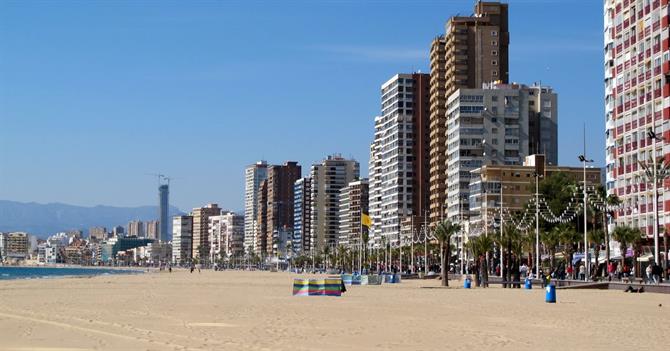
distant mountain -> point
(46, 219)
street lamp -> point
(537, 176)
(584, 161)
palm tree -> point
(550, 240)
(597, 237)
(569, 238)
(443, 232)
(611, 201)
(479, 246)
(626, 236)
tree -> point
(626, 236)
(596, 237)
(479, 246)
(550, 240)
(569, 237)
(443, 232)
(611, 201)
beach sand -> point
(234, 310)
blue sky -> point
(95, 95)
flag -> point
(365, 220)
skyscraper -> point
(253, 176)
(136, 228)
(473, 51)
(152, 229)
(280, 182)
(260, 241)
(637, 87)
(353, 203)
(399, 174)
(302, 203)
(495, 125)
(328, 178)
(201, 229)
(164, 208)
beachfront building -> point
(201, 216)
(637, 107)
(253, 176)
(474, 50)
(96, 234)
(353, 203)
(279, 206)
(302, 203)
(328, 178)
(498, 124)
(233, 232)
(513, 186)
(399, 159)
(17, 245)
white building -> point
(234, 234)
(253, 176)
(353, 203)
(499, 124)
(375, 180)
(182, 239)
(328, 178)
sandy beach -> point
(255, 311)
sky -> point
(97, 95)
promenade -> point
(235, 310)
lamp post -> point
(584, 161)
(652, 135)
(537, 176)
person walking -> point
(647, 272)
(582, 272)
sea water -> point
(55, 272)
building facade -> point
(136, 228)
(328, 178)
(474, 50)
(637, 88)
(261, 240)
(17, 245)
(233, 225)
(280, 182)
(353, 203)
(253, 176)
(492, 126)
(182, 239)
(152, 229)
(399, 154)
(201, 229)
(302, 203)
(96, 234)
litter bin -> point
(550, 295)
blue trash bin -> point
(528, 284)
(550, 295)
(467, 283)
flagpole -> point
(360, 244)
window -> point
(494, 73)
(494, 63)
(494, 43)
(494, 33)
(494, 53)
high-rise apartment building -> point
(253, 176)
(136, 228)
(302, 203)
(152, 229)
(17, 245)
(280, 182)
(234, 234)
(493, 126)
(118, 231)
(97, 233)
(217, 239)
(353, 203)
(182, 239)
(473, 50)
(261, 219)
(399, 173)
(201, 229)
(163, 212)
(328, 178)
(637, 88)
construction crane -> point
(159, 176)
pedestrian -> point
(656, 271)
(648, 273)
(582, 272)
(570, 271)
